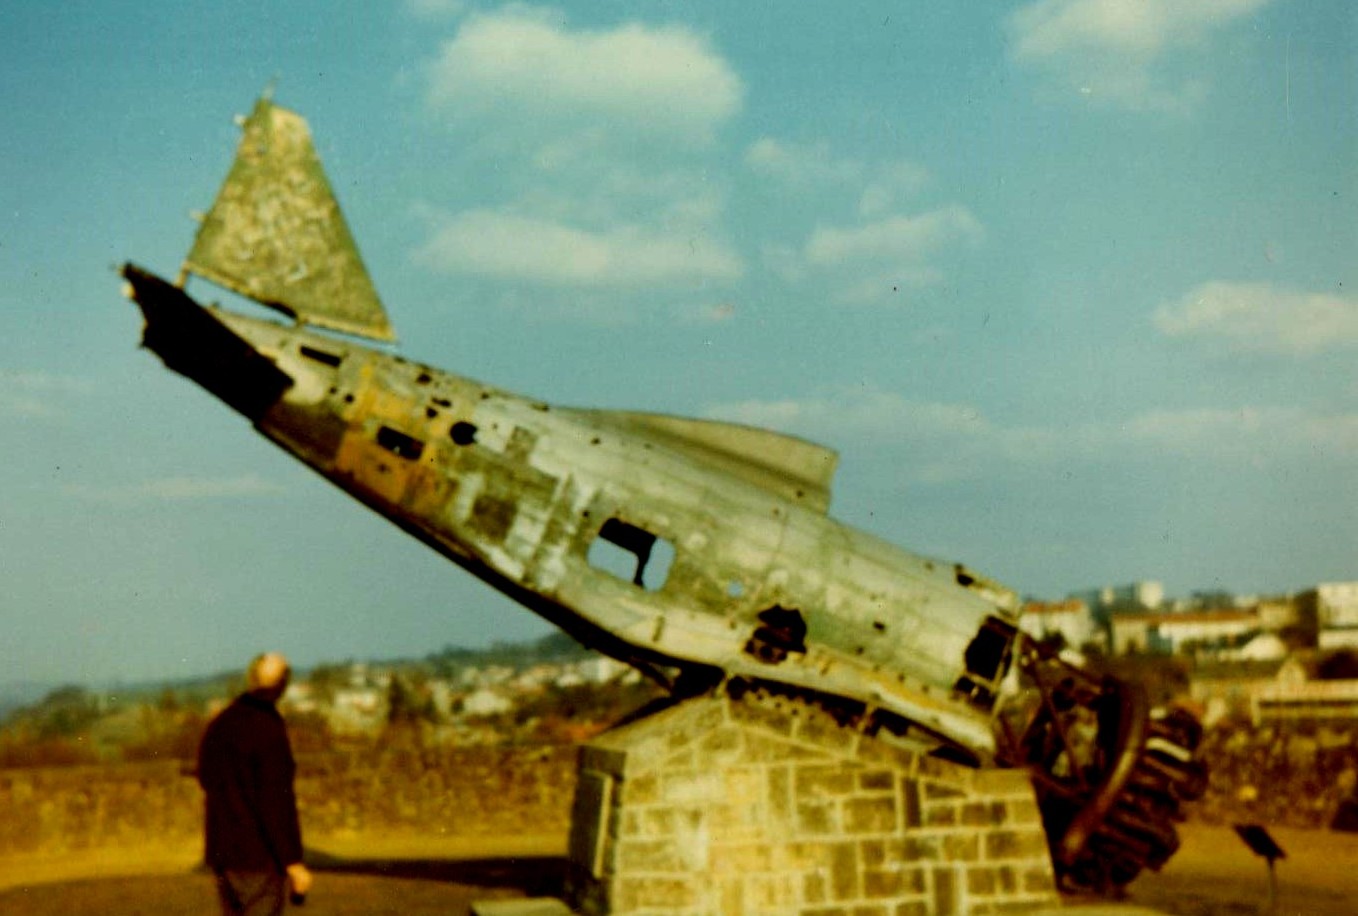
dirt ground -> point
(1214, 874)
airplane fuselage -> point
(644, 536)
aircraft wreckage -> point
(700, 552)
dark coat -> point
(245, 767)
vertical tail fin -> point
(276, 234)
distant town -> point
(1263, 658)
(1255, 660)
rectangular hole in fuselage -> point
(632, 554)
(321, 356)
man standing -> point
(245, 766)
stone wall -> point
(444, 792)
(767, 806)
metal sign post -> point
(1261, 844)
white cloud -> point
(177, 489)
(520, 63)
(1113, 51)
(508, 246)
(876, 261)
(909, 238)
(881, 186)
(938, 441)
(1262, 318)
(801, 165)
(890, 186)
(28, 394)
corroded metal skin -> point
(663, 541)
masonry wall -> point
(734, 807)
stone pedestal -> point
(759, 805)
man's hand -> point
(299, 879)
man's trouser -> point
(251, 893)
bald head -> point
(268, 675)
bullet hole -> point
(430, 412)
(879, 626)
(964, 578)
(781, 631)
(463, 433)
(424, 378)
(442, 402)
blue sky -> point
(1069, 284)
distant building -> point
(1296, 696)
(1103, 601)
(1185, 631)
(1279, 614)
(1070, 618)
(1334, 607)
(485, 702)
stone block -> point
(1023, 811)
(877, 781)
(691, 786)
(910, 798)
(947, 771)
(981, 882)
(912, 908)
(844, 871)
(652, 856)
(933, 789)
(649, 893)
(820, 731)
(871, 815)
(872, 853)
(817, 818)
(1015, 844)
(921, 847)
(779, 791)
(998, 782)
(945, 891)
(725, 742)
(881, 752)
(641, 789)
(767, 718)
(940, 814)
(815, 887)
(1038, 880)
(743, 858)
(961, 847)
(813, 781)
(881, 882)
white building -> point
(1295, 696)
(1070, 618)
(485, 702)
(1336, 610)
(1146, 594)
(1179, 632)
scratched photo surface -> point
(695, 457)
